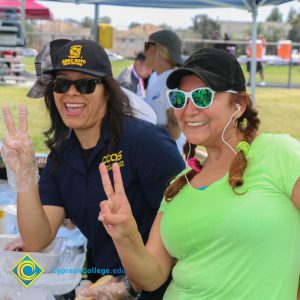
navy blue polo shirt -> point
(148, 159)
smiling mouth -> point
(74, 109)
(74, 105)
(197, 124)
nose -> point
(190, 106)
(72, 90)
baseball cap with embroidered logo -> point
(84, 56)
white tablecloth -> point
(7, 293)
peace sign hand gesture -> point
(17, 152)
(115, 212)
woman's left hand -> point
(115, 212)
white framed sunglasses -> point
(201, 97)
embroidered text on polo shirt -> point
(109, 159)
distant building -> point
(130, 42)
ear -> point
(240, 108)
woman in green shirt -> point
(229, 226)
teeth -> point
(73, 105)
(195, 124)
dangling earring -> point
(235, 123)
(244, 124)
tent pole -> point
(253, 58)
(96, 20)
(22, 10)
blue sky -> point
(122, 16)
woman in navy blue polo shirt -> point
(91, 122)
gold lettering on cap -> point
(74, 57)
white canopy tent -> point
(251, 5)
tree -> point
(274, 34)
(165, 26)
(208, 28)
(294, 33)
(292, 14)
(260, 30)
(87, 22)
(134, 24)
(105, 19)
(275, 15)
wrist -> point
(127, 239)
(132, 293)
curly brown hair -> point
(248, 123)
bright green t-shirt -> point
(244, 247)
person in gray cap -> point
(163, 55)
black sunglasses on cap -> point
(83, 86)
(147, 45)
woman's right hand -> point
(17, 152)
(115, 212)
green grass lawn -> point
(278, 74)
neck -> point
(222, 153)
(88, 138)
(162, 66)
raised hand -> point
(115, 212)
(17, 152)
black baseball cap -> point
(218, 69)
(84, 56)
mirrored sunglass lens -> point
(177, 99)
(202, 97)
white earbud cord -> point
(187, 159)
(222, 136)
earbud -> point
(237, 107)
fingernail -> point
(23, 109)
(100, 218)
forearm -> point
(33, 223)
(142, 269)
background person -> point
(91, 122)
(259, 62)
(228, 223)
(132, 78)
(163, 54)
(227, 46)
